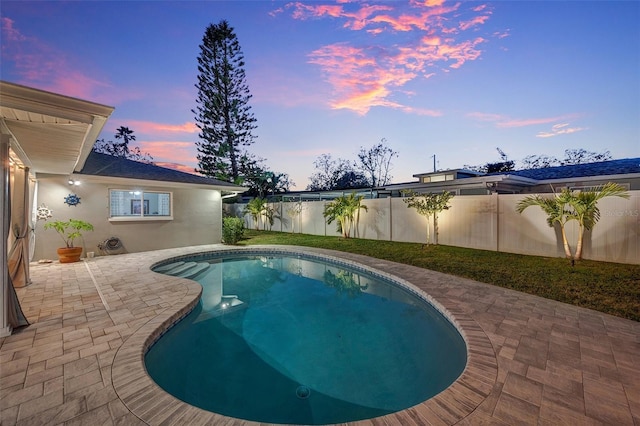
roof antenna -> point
(434, 163)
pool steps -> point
(183, 269)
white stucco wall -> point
(197, 217)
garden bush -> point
(232, 230)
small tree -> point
(581, 206)
(255, 208)
(294, 211)
(269, 213)
(344, 210)
(429, 205)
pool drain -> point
(303, 392)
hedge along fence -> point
(487, 222)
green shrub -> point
(232, 229)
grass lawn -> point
(613, 288)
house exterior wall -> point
(487, 222)
(197, 218)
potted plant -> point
(69, 231)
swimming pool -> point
(297, 339)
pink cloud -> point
(478, 20)
(182, 152)
(149, 127)
(45, 67)
(504, 122)
(366, 75)
(560, 129)
(176, 166)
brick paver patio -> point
(532, 361)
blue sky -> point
(450, 79)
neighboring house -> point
(46, 148)
(626, 172)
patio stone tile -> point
(42, 375)
(53, 385)
(94, 349)
(82, 381)
(569, 395)
(62, 359)
(55, 415)
(10, 368)
(605, 401)
(20, 396)
(515, 411)
(11, 380)
(552, 414)
(523, 388)
(9, 416)
(38, 405)
(97, 416)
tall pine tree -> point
(223, 114)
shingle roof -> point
(107, 165)
(603, 168)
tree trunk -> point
(578, 255)
(428, 232)
(435, 229)
(565, 243)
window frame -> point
(144, 215)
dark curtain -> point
(15, 316)
(18, 259)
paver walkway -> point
(553, 364)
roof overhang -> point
(50, 133)
(126, 182)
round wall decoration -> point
(72, 199)
(44, 212)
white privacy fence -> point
(488, 222)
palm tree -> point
(344, 210)
(556, 210)
(581, 206)
(256, 208)
(586, 211)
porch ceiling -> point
(50, 133)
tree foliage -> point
(375, 163)
(581, 206)
(335, 175)
(223, 113)
(429, 205)
(505, 165)
(262, 182)
(571, 157)
(345, 210)
(120, 147)
(372, 169)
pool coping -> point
(151, 404)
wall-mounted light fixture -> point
(73, 182)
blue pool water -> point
(289, 339)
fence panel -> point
(488, 222)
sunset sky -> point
(450, 79)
